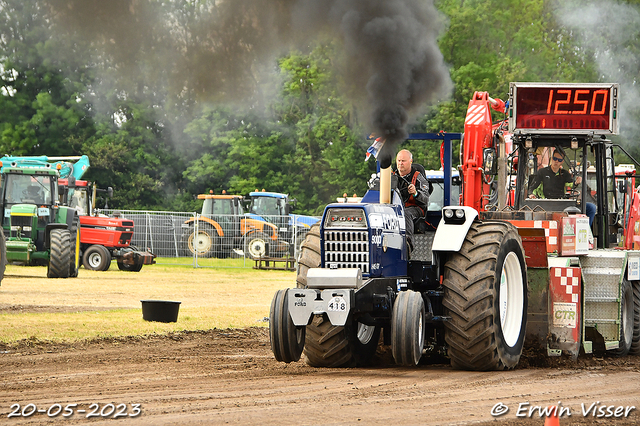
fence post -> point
(196, 230)
(150, 232)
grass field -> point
(108, 304)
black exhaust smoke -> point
(393, 58)
(393, 66)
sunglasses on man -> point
(559, 160)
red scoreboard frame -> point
(571, 108)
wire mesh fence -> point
(216, 240)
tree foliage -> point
(172, 99)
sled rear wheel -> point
(486, 298)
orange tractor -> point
(223, 228)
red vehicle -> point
(602, 259)
(103, 238)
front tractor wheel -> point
(287, 340)
(3, 255)
(486, 298)
(204, 242)
(96, 258)
(407, 328)
(59, 253)
(310, 256)
(74, 261)
(255, 244)
(327, 345)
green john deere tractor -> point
(37, 229)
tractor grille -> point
(23, 222)
(125, 238)
(347, 249)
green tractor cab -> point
(37, 229)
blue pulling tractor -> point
(356, 279)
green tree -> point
(489, 44)
(129, 153)
(330, 143)
(42, 110)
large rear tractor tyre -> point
(287, 340)
(627, 319)
(309, 255)
(486, 297)
(74, 236)
(635, 341)
(59, 253)
(407, 328)
(204, 242)
(96, 258)
(296, 244)
(255, 244)
(327, 345)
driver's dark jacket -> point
(421, 199)
(547, 184)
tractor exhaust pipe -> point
(385, 185)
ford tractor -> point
(38, 230)
(499, 269)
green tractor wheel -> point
(59, 253)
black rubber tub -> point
(160, 310)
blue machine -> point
(67, 169)
(275, 207)
(358, 277)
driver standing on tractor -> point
(552, 182)
(414, 190)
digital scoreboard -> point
(563, 108)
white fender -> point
(451, 234)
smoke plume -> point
(393, 66)
(609, 31)
(393, 54)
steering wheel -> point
(573, 192)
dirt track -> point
(231, 377)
